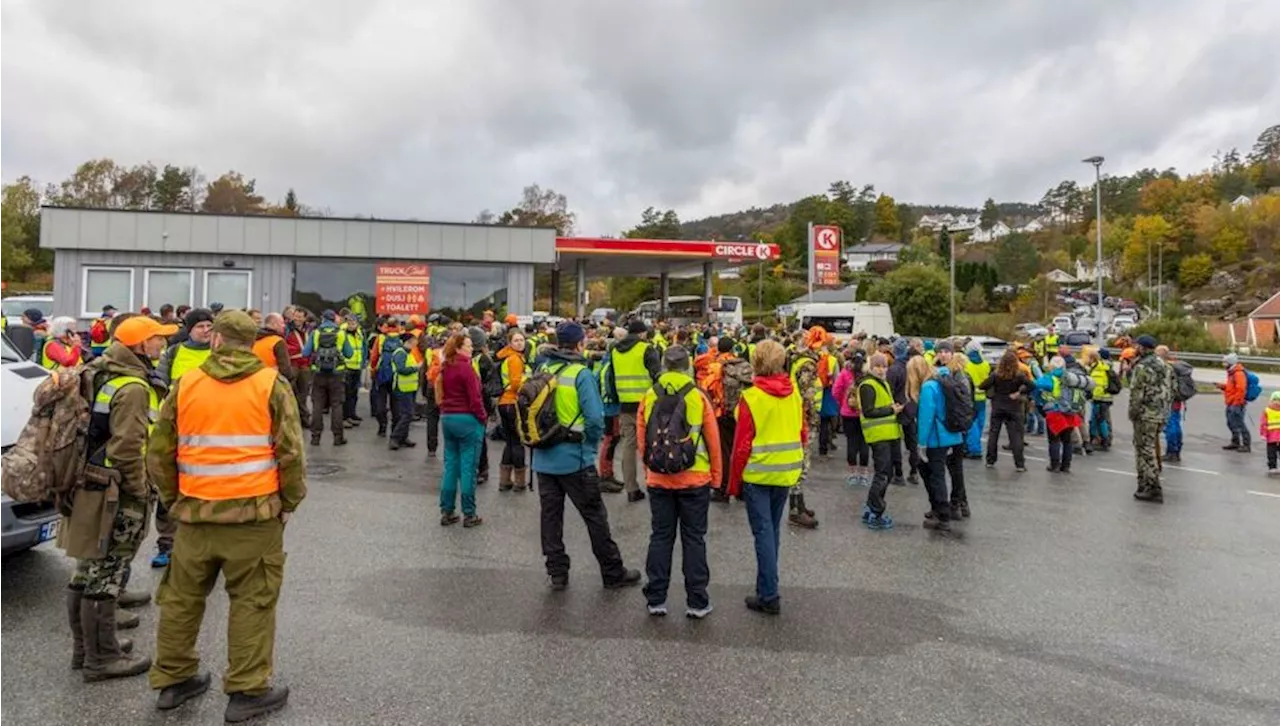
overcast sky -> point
(438, 109)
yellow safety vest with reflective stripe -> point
(660, 340)
(883, 428)
(630, 376)
(978, 373)
(777, 455)
(357, 350)
(568, 409)
(405, 382)
(102, 401)
(751, 351)
(184, 359)
(673, 381)
(1272, 420)
(1051, 340)
(1098, 373)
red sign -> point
(705, 249)
(826, 255)
(402, 288)
(743, 251)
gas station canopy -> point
(605, 257)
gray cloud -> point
(437, 110)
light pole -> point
(760, 279)
(1097, 265)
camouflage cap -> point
(235, 326)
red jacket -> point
(294, 339)
(777, 385)
(1233, 390)
(458, 389)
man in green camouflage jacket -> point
(804, 375)
(243, 538)
(1149, 398)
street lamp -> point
(1097, 267)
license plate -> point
(49, 530)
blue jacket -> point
(570, 458)
(931, 429)
(345, 350)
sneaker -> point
(472, 521)
(1051, 468)
(1173, 458)
(768, 608)
(179, 693)
(1020, 469)
(867, 514)
(160, 560)
(629, 578)
(609, 485)
(243, 707)
(1244, 449)
(636, 496)
(879, 521)
(698, 613)
(1231, 446)
(964, 509)
(913, 479)
(340, 441)
(1154, 496)
(315, 440)
(448, 518)
(991, 465)
(410, 443)
(898, 481)
(659, 610)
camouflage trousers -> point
(105, 577)
(1145, 438)
(808, 456)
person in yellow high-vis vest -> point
(1269, 431)
(979, 371)
(881, 430)
(635, 366)
(767, 462)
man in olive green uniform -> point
(243, 538)
(109, 512)
(1150, 396)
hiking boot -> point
(1174, 458)
(393, 445)
(382, 430)
(609, 485)
(760, 606)
(557, 583)
(803, 519)
(629, 578)
(636, 496)
(1051, 468)
(179, 693)
(913, 479)
(719, 496)
(963, 507)
(936, 524)
(357, 419)
(161, 559)
(1231, 446)
(520, 480)
(1243, 449)
(472, 520)
(315, 439)
(339, 441)
(1064, 470)
(504, 478)
(243, 707)
(126, 620)
(448, 518)
(104, 655)
(1151, 494)
(134, 599)
(898, 481)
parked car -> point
(1087, 324)
(1064, 322)
(1030, 330)
(13, 306)
(25, 525)
(1076, 338)
(1111, 301)
(599, 315)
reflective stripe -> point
(224, 441)
(868, 423)
(248, 467)
(792, 466)
(102, 406)
(695, 429)
(772, 448)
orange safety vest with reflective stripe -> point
(265, 349)
(224, 437)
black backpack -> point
(668, 446)
(1184, 384)
(490, 378)
(957, 393)
(536, 421)
(1113, 382)
(326, 357)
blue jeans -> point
(1173, 433)
(765, 507)
(686, 508)
(973, 439)
(1035, 421)
(1100, 421)
(463, 434)
(1235, 422)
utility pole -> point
(1097, 265)
(951, 244)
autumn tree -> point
(656, 224)
(20, 230)
(540, 207)
(1195, 271)
(887, 224)
(231, 193)
(1150, 233)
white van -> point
(845, 320)
(25, 524)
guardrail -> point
(1190, 357)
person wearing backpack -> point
(1183, 388)
(566, 468)
(979, 371)
(845, 389)
(124, 402)
(328, 348)
(635, 367)
(1106, 385)
(803, 365)
(1150, 394)
(406, 375)
(730, 375)
(680, 445)
(882, 431)
(297, 331)
(63, 348)
(1005, 390)
(944, 448)
(1063, 392)
(490, 389)
(353, 371)
(511, 370)
(462, 420)
(1235, 392)
(1269, 430)
(612, 408)
(384, 374)
(192, 352)
(99, 336)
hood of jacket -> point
(564, 356)
(508, 352)
(267, 333)
(120, 361)
(777, 385)
(672, 381)
(231, 364)
(974, 356)
(627, 343)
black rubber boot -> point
(243, 707)
(179, 693)
(74, 598)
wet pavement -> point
(1062, 601)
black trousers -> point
(935, 481)
(1011, 420)
(401, 415)
(728, 429)
(328, 391)
(583, 489)
(433, 421)
(1060, 449)
(302, 391)
(882, 456)
(380, 402)
(512, 451)
(687, 509)
(909, 441)
(826, 428)
(856, 451)
(352, 394)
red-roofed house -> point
(1264, 324)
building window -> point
(231, 288)
(107, 286)
(175, 287)
(461, 292)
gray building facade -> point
(135, 259)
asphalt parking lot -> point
(1062, 601)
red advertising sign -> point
(402, 288)
(826, 255)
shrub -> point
(917, 295)
(1195, 271)
(1186, 334)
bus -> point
(844, 320)
(685, 309)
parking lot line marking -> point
(1117, 471)
(1188, 468)
(1033, 458)
(1264, 494)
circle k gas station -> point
(591, 257)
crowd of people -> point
(206, 410)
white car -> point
(1030, 330)
(1064, 323)
(992, 348)
(25, 524)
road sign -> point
(826, 255)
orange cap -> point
(816, 337)
(139, 329)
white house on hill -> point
(859, 256)
(998, 230)
(1086, 271)
(1060, 277)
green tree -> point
(656, 224)
(540, 207)
(975, 301)
(917, 295)
(1195, 271)
(1016, 259)
(231, 193)
(175, 189)
(887, 224)
(20, 231)
(990, 214)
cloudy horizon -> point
(439, 110)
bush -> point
(917, 295)
(998, 325)
(1195, 271)
(1186, 334)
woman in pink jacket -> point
(857, 454)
